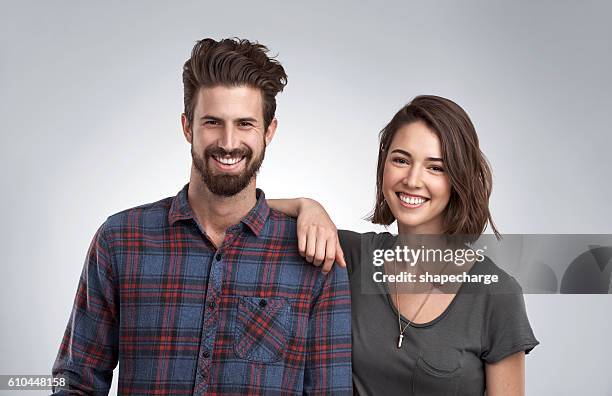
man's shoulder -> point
(282, 226)
(154, 214)
(279, 224)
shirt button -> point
(219, 256)
(212, 305)
(263, 303)
(206, 354)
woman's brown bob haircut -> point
(233, 62)
(467, 212)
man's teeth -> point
(411, 200)
(228, 161)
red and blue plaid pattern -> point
(182, 317)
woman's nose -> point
(413, 178)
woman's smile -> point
(411, 201)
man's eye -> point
(211, 122)
(245, 124)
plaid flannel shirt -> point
(182, 317)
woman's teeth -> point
(411, 200)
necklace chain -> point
(399, 307)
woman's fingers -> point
(302, 235)
(340, 255)
(330, 252)
(311, 244)
(319, 245)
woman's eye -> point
(437, 169)
(400, 161)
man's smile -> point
(228, 162)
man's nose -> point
(228, 139)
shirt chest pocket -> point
(260, 328)
(434, 378)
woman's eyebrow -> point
(404, 152)
(407, 154)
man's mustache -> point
(217, 151)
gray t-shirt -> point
(483, 324)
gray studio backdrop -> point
(91, 96)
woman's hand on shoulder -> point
(317, 236)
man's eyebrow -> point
(209, 117)
(213, 118)
(247, 119)
(407, 154)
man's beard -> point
(227, 185)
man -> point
(205, 292)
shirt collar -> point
(179, 208)
(254, 220)
(257, 216)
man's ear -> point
(271, 131)
(186, 128)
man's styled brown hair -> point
(466, 166)
(233, 62)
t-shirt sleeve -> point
(350, 242)
(506, 329)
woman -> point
(432, 179)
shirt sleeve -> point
(506, 326)
(89, 349)
(328, 354)
(350, 242)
